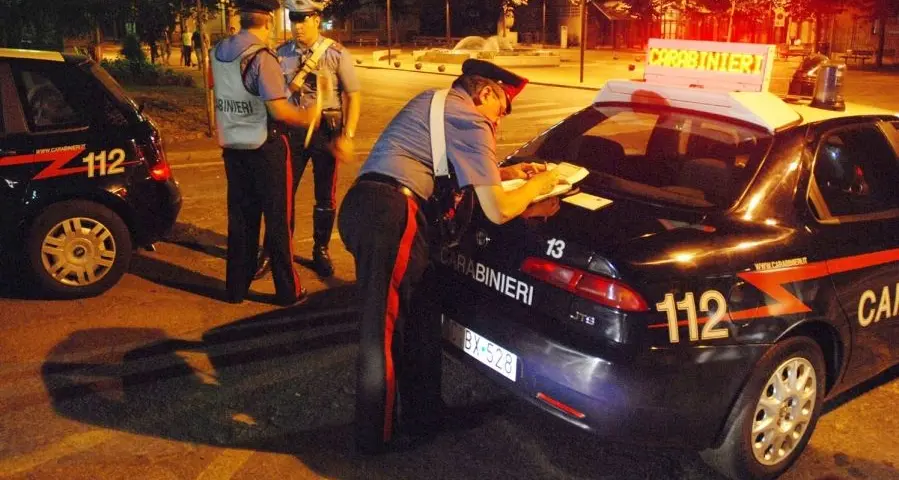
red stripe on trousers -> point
(296, 278)
(393, 306)
(334, 185)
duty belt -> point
(392, 182)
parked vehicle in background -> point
(83, 173)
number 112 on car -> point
(102, 164)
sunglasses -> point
(299, 17)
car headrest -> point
(708, 175)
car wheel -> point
(78, 248)
(775, 414)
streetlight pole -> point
(447, 24)
(583, 35)
(389, 32)
(543, 32)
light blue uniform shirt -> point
(336, 62)
(403, 151)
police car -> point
(730, 262)
(83, 174)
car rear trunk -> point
(509, 263)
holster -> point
(331, 124)
(449, 211)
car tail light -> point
(603, 290)
(154, 156)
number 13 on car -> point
(710, 330)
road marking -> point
(68, 446)
(517, 107)
(219, 163)
(555, 113)
(226, 465)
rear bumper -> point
(674, 397)
(160, 204)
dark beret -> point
(258, 5)
(512, 84)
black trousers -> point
(324, 165)
(399, 363)
(324, 169)
(259, 183)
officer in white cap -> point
(305, 58)
(252, 109)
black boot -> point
(322, 225)
(263, 265)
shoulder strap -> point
(438, 133)
(246, 59)
(311, 63)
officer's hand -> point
(343, 148)
(547, 180)
(545, 208)
(522, 170)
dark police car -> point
(83, 174)
(730, 262)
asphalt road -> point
(160, 379)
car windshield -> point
(656, 153)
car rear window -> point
(111, 85)
(658, 154)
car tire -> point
(77, 249)
(793, 407)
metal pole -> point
(543, 34)
(447, 24)
(583, 35)
(389, 32)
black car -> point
(805, 77)
(83, 174)
(729, 263)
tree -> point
(29, 24)
(84, 17)
(881, 12)
(152, 18)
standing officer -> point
(303, 59)
(251, 107)
(383, 224)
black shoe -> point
(263, 265)
(321, 261)
(298, 300)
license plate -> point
(482, 349)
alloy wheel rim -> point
(784, 411)
(78, 251)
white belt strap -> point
(438, 133)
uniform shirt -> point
(336, 62)
(403, 151)
(185, 39)
(263, 77)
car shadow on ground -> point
(283, 382)
(198, 239)
(215, 244)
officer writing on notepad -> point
(388, 221)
